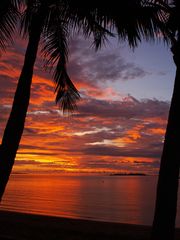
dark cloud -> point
(98, 67)
(154, 164)
(121, 152)
(128, 109)
(26, 162)
(8, 85)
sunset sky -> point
(121, 118)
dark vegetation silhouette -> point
(167, 189)
(48, 21)
(145, 19)
(133, 21)
(9, 13)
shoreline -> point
(23, 226)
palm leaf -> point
(168, 18)
(9, 15)
(85, 18)
(133, 20)
(143, 21)
(67, 94)
(55, 52)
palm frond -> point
(133, 20)
(144, 21)
(168, 17)
(67, 94)
(9, 15)
(84, 18)
(18, 3)
(93, 27)
(55, 52)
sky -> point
(120, 121)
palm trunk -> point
(167, 189)
(15, 125)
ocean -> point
(123, 199)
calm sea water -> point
(128, 199)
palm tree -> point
(167, 188)
(51, 22)
(9, 14)
(144, 20)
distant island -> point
(128, 174)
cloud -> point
(122, 152)
(126, 109)
(86, 65)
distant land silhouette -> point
(128, 174)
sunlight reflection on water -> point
(128, 199)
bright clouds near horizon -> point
(112, 130)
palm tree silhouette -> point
(9, 14)
(167, 188)
(45, 20)
(145, 20)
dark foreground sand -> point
(20, 226)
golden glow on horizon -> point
(52, 144)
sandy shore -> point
(20, 226)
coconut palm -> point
(167, 189)
(9, 14)
(48, 21)
(145, 20)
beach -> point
(21, 226)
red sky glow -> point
(121, 118)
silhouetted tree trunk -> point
(167, 189)
(15, 125)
